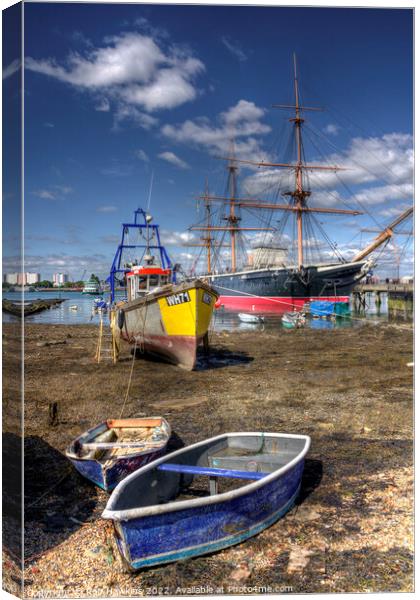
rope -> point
(282, 302)
(130, 377)
(50, 489)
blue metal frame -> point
(116, 263)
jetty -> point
(20, 309)
(400, 295)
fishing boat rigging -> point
(159, 315)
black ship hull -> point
(277, 290)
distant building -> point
(32, 278)
(60, 279)
(11, 278)
(21, 278)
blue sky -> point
(116, 92)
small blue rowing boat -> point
(250, 481)
(112, 450)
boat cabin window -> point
(138, 285)
(142, 282)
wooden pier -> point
(400, 296)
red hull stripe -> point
(274, 304)
(148, 271)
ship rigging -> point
(286, 282)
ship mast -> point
(207, 238)
(299, 195)
(232, 218)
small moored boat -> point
(253, 480)
(249, 318)
(92, 287)
(108, 452)
(100, 305)
(293, 320)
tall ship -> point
(271, 280)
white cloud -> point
(12, 68)
(383, 165)
(117, 169)
(332, 129)
(241, 123)
(141, 155)
(176, 238)
(106, 208)
(131, 70)
(125, 112)
(103, 105)
(54, 192)
(394, 211)
(172, 158)
(234, 48)
(45, 194)
(110, 239)
(49, 125)
(243, 111)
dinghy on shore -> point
(249, 318)
(112, 450)
(252, 479)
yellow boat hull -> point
(170, 323)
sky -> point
(121, 96)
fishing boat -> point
(73, 307)
(251, 480)
(249, 318)
(293, 320)
(92, 287)
(115, 448)
(160, 316)
(288, 267)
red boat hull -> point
(275, 304)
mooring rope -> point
(285, 302)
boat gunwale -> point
(165, 291)
(320, 266)
(71, 453)
(173, 506)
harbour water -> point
(77, 310)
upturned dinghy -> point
(250, 481)
(112, 450)
(248, 318)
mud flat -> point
(349, 389)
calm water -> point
(222, 320)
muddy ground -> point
(349, 389)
